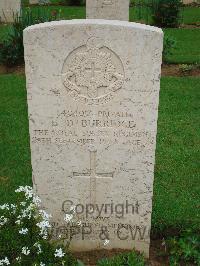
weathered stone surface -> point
(93, 93)
(9, 9)
(33, 2)
(107, 9)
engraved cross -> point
(93, 176)
(93, 69)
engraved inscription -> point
(102, 127)
(93, 176)
(93, 73)
(107, 2)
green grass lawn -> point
(187, 47)
(176, 193)
(66, 12)
(188, 15)
(191, 15)
(188, 40)
(15, 167)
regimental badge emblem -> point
(93, 73)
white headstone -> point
(93, 94)
(9, 9)
(107, 9)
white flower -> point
(13, 208)
(45, 215)
(44, 225)
(5, 261)
(59, 253)
(23, 189)
(106, 242)
(23, 203)
(20, 189)
(68, 217)
(3, 220)
(42, 264)
(25, 251)
(27, 190)
(36, 200)
(27, 213)
(18, 222)
(37, 245)
(44, 236)
(23, 231)
(4, 207)
(18, 259)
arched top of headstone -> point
(97, 22)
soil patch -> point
(20, 70)
(190, 26)
(158, 255)
(175, 70)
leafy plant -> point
(130, 259)
(184, 249)
(12, 49)
(24, 234)
(187, 68)
(166, 13)
(168, 46)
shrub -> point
(12, 50)
(24, 234)
(168, 46)
(166, 13)
(129, 259)
(185, 250)
(186, 69)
